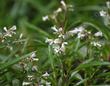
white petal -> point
(58, 10)
(26, 83)
(33, 55)
(63, 3)
(5, 29)
(13, 28)
(21, 35)
(103, 13)
(45, 75)
(44, 18)
(57, 41)
(98, 34)
(54, 28)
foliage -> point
(69, 47)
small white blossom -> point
(50, 41)
(57, 31)
(2, 40)
(54, 28)
(63, 4)
(58, 10)
(5, 29)
(60, 29)
(63, 46)
(57, 41)
(103, 13)
(34, 68)
(35, 59)
(59, 48)
(26, 83)
(46, 74)
(29, 76)
(98, 34)
(9, 32)
(77, 30)
(33, 55)
(81, 35)
(62, 36)
(96, 44)
(45, 18)
(56, 48)
(13, 28)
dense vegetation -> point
(54, 43)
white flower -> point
(13, 28)
(60, 29)
(54, 28)
(80, 29)
(46, 74)
(56, 48)
(77, 30)
(29, 76)
(61, 35)
(98, 34)
(96, 44)
(63, 4)
(103, 13)
(50, 41)
(45, 18)
(35, 59)
(57, 31)
(26, 83)
(5, 29)
(57, 41)
(81, 35)
(33, 55)
(34, 68)
(9, 32)
(59, 48)
(58, 10)
(63, 46)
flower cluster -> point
(25, 62)
(44, 82)
(7, 37)
(80, 31)
(58, 43)
(29, 64)
(83, 33)
(61, 36)
(8, 33)
(63, 8)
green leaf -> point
(91, 64)
(10, 63)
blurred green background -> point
(15, 12)
(27, 16)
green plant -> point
(69, 53)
